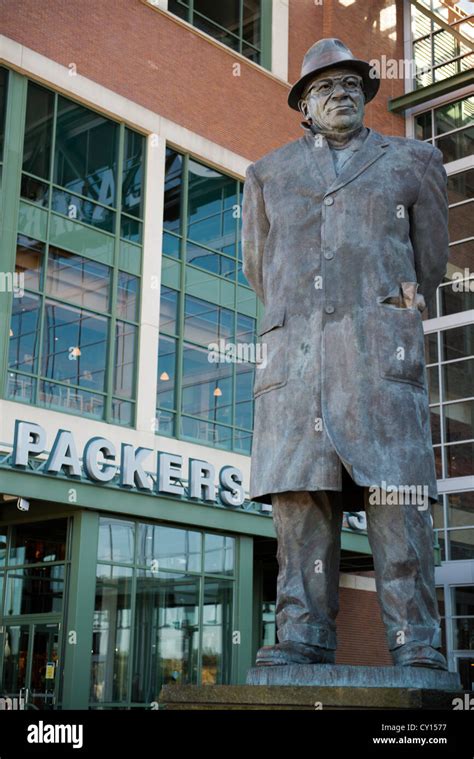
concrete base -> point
(345, 675)
(301, 697)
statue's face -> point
(334, 100)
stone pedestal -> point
(322, 686)
(345, 675)
(302, 698)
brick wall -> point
(360, 630)
(147, 57)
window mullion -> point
(113, 295)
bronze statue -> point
(344, 240)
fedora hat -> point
(328, 53)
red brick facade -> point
(360, 630)
(148, 57)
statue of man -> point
(344, 240)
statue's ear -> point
(303, 107)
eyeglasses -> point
(350, 83)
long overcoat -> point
(340, 263)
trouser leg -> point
(308, 528)
(401, 539)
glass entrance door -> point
(30, 663)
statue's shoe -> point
(416, 655)
(290, 652)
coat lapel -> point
(319, 154)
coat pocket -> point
(272, 370)
(401, 344)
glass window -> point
(116, 540)
(125, 351)
(74, 346)
(78, 280)
(132, 182)
(173, 184)
(169, 548)
(34, 591)
(166, 373)
(127, 296)
(457, 343)
(29, 262)
(216, 396)
(86, 152)
(36, 542)
(160, 620)
(461, 544)
(207, 387)
(454, 115)
(461, 509)
(463, 612)
(24, 334)
(219, 554)
(166, 640)
(459, 421)
(235, 23)
(460, 460)
(169, 310)
(38, 131)
(206, 323)
(217, 632)
(461, 186)
(111, 637)
(61, 344)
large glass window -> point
(60, 333)
(215, 397)
(199, 398)
(164, 610)
(203, 228)
(449, 127)
(72, 161)
(33, 561)
(438, 53)
(235, 23)
(75, 312)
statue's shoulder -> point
(416, 149)
(264, 168)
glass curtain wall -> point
(74, 322)
(164, 611)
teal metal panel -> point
(170, 273)
(266, 57)
(130, 257)
(432, 91)
(78, 238)
(33, 221)
(246, 301)
(9, 206)
(203, 284)
(80, 614)
(108, 499)
(244, 616)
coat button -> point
(328, 201)
(329, 309)
(329, 255)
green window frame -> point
(77, 182)
(242, 25)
